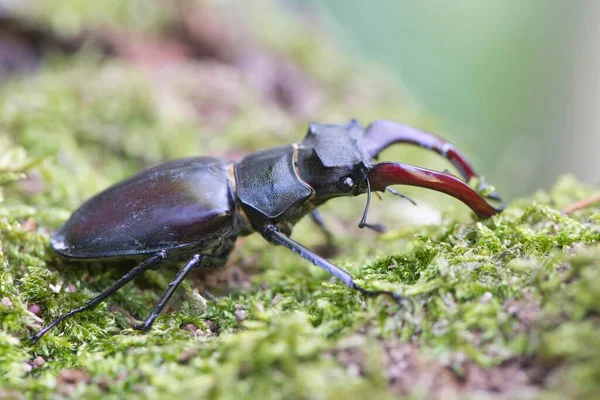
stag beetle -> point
(194, 209)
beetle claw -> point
(492, 196)
(402, 301)
(140, 327)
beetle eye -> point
(346, 184)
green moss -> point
(465, 281)
(71, 17)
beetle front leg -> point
(273, 235)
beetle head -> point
(332, 161)
(336, 161)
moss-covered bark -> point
(506, 306)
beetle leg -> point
(273, 235)
(317, 218)
(149, 263)
(190, 265)
(379, 228)
(397, 193)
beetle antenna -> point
(363, 221)
(397, 193)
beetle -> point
(193, 209)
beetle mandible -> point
(193, 209)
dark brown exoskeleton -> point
(194, 209)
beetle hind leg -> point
(150, 263)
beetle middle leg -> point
(190, 265)
(317, 218)
(150, 263)
(273, 235)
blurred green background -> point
(514, 82)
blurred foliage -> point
(513, 80)
(73, 16)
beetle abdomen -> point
(182, 203)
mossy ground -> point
(504, 307)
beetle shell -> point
(187, 203)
